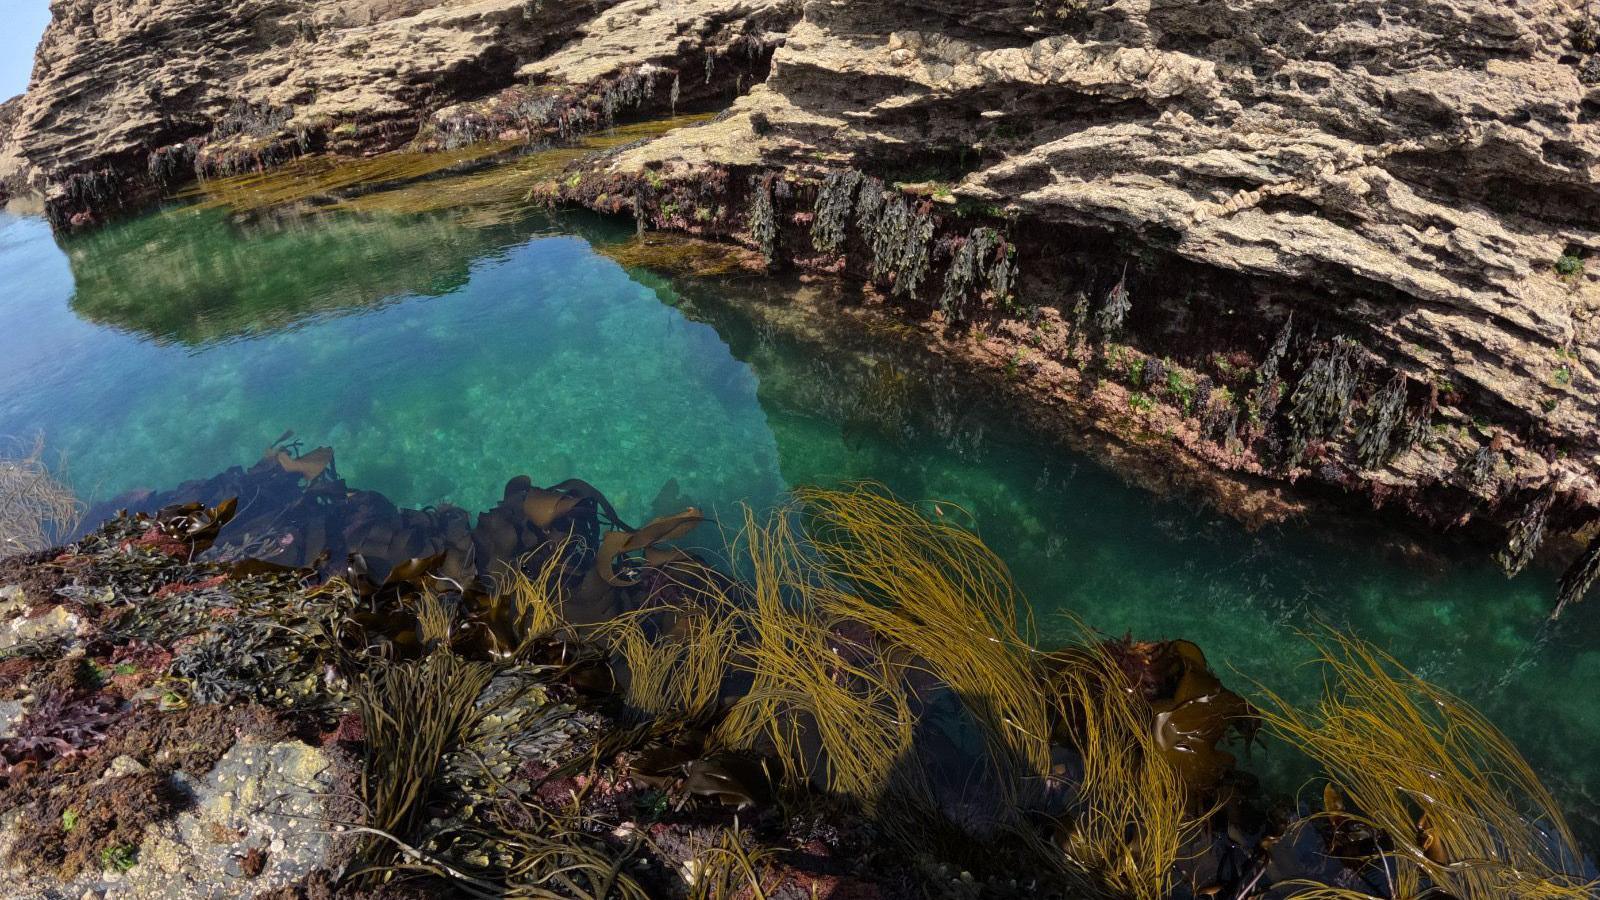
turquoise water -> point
(440, 356)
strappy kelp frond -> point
(1460, 810)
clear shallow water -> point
(440, 355)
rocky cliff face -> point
(130, 97)
(1334, 242)
(1365, 225)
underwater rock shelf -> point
(313, 693)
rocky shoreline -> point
(197, 700)
(1226, 250)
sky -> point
(21, 23)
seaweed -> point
(37, 510)
(1478, 468)
(1321, 401)
(836, 201)
(1578, 578)
(982, 262)
(900, 246)
(1525, 535)
(1129, 828)
(763, 221)
(870, 202)
(1267, 394)
(1456, 809)
(411, 713)
(1376, 437)
(1114, 311)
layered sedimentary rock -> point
(1339, 243)
(1413, 179)
(130, 97)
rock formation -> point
(1415, 177)
(1337, 242)
(129, 98)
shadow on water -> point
(439, 348)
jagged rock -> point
(1408, 172)
(17, 627)
(1416, 176)
(129, 96)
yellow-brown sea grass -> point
(728, 870)
(1131, 824)
(533, 604)
(413, 713)
(37, 510)
(1462, 809)
(934, 589)
(678, 674)
(804, 696)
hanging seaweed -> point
(1117, 306)
(1478, 468)
(1376, 442)
(1579, 577)
(1003, 272)
(836, 200)
(870, 201)
(1220, 417)
(1267, 394)
(900, 246)
(1526, 534)
(1322, 398)
(764, 221)
(971, 270)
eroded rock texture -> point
(1337, 240)
(128, 97)
(1415, 176)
